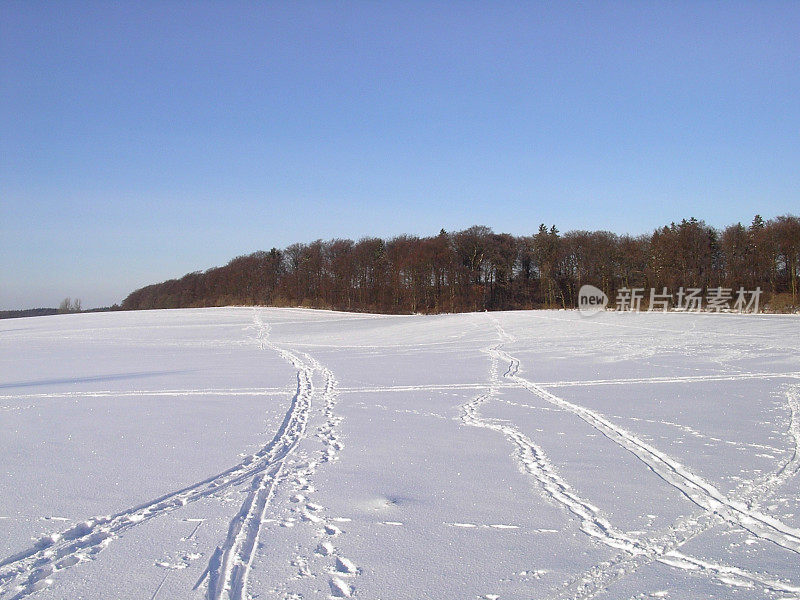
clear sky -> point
(140, 141)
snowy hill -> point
(282, 453)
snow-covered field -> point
(279, 453)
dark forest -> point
(477, 269)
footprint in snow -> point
(345, 566)
(69, 561)
(325, 549)
(311, 517)
(340, 589)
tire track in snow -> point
(32, 569)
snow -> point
(286, 453)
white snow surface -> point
(237, 453)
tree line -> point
(478, 269)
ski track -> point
(637, 552)
(280, 391)
(32, 569)
(230, 565)
(274, 391)
(698, 490)
(536, 463)
(596, 580)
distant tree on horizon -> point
(68, 305)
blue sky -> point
(141, 141)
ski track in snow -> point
(694, 487)
(261, 474)
(230, 565)
(536, 463)
(137, 393)
(596, 580)
(32, 569)
(282, 391)
(637, 551)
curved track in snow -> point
(33, 569)
(661, 546)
